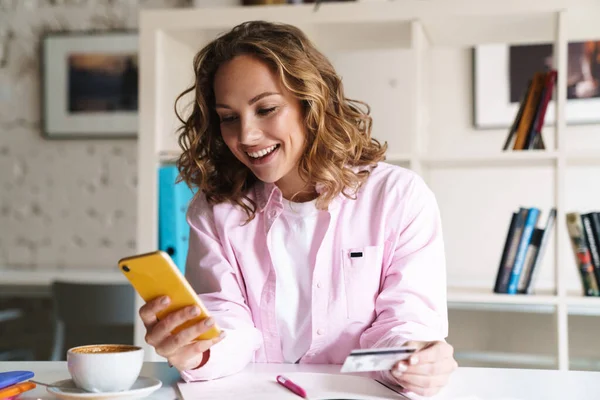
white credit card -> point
(379, 359)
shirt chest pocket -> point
(362, 274)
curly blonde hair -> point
(338, 130)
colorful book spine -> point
(530, 223)
(509, 253)
(534, 269)
(583, 257)
(590, 241)
(532, 252)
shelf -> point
(166, 157)
(473, 22)
(529, 360)
(584, 157)
(579, 300)
(484, 299)
(517, 158)
(487, 296)
(45, 277)
(398, 158)
(496, 357)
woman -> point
(304, 245)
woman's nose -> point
(250, 133)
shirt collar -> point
(266, 193)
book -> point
(534, 137)
(582, 254)
(537, 247)
(530, 223)
(590, 241)
(515, 125)
(530, 256)
(525, 132)
(510, 250)
(531, 103)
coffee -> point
(105, 367)
(95, 349)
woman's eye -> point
(226, 119)
(266, 111)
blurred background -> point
(70, 103)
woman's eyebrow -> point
(252, 100)
(262, 95)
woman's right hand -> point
(180, 349)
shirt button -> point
(319, 285)
(320, 331)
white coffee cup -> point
(105, 367)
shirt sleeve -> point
(412, 304)
(221, 288)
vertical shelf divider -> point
(562, 311)
(419, 129)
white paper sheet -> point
(248, 386)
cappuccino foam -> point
(97, 349)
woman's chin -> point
(266, 177)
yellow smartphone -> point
(155, 274)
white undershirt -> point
(293, 240)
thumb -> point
(420, 346)
(417, 344)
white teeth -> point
(263, 152)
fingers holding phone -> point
(181, 348)
(166, 343)
(149, 310)
(191, 355)
(178, 325)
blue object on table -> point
(173, 202)
(13, 377)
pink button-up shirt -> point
(379, 278)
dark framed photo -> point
(501, 73)
(90, 85)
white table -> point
(466, 383)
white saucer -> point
(142, 387)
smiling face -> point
(261, 121)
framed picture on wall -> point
(501, 73)
(90, 85)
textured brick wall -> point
(62, 203)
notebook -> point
(262, 386)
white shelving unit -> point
(388, 53)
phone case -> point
(15, 390)
(155, 274)
(11, 377)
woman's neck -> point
(294, 188)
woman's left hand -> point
(427, 371)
